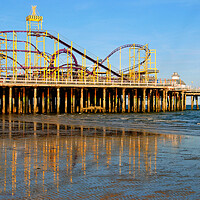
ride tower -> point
(35, 65)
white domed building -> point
(176, 79)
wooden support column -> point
(113, 103)
(19, 101)
(149, 101)
(119, 103)
(100, 103)
(78, 99)
(135, 101)
(124, 101)
(185, 102)
(51, 100)
(192, 102)
(132, 100)
(15, 101)
(109, 102)
(27, 99)
(170, 101)
(29, 105)
(48, 101)
(10, 100)
(116, 100)
(81, 101)
(43, 104)
(24, 100)
(166, 98)
(143, 100)
(95, 100)
(197, 105)
(156, 100)
(13, 104)
(178, 101)
(139, 103)
(159, 102)
(182, 101)
(129, 102)
(88, 98)
(58, 100)
(35, 100)
(164, 101)
(72, 100)
(65, 102)
(175, 101)
(4, 101)
(104, 100)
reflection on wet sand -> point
(36, 157)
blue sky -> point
(170, 26)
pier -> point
(37, 96)
(43, 72)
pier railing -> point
(94, 83)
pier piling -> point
(40, 99)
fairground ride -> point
(38, 54)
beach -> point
(125, 156)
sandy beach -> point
(53, 161)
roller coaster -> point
(37, 54)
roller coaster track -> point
(39, 52)
(128, 46)
(3, 56)
(60, 51)
(21, 41)
(82, 54)
(48, 35)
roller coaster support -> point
(71, 59)
(152, 62)
(3, 56)
(97, 75)
(120, 60)
(14, 55)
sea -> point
(100, 156)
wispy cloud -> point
(83, 5)
(158, 2)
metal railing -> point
(95, 83)
(193, 90)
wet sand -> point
(56, 161)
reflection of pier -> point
(133, 152)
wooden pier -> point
(37, 96)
